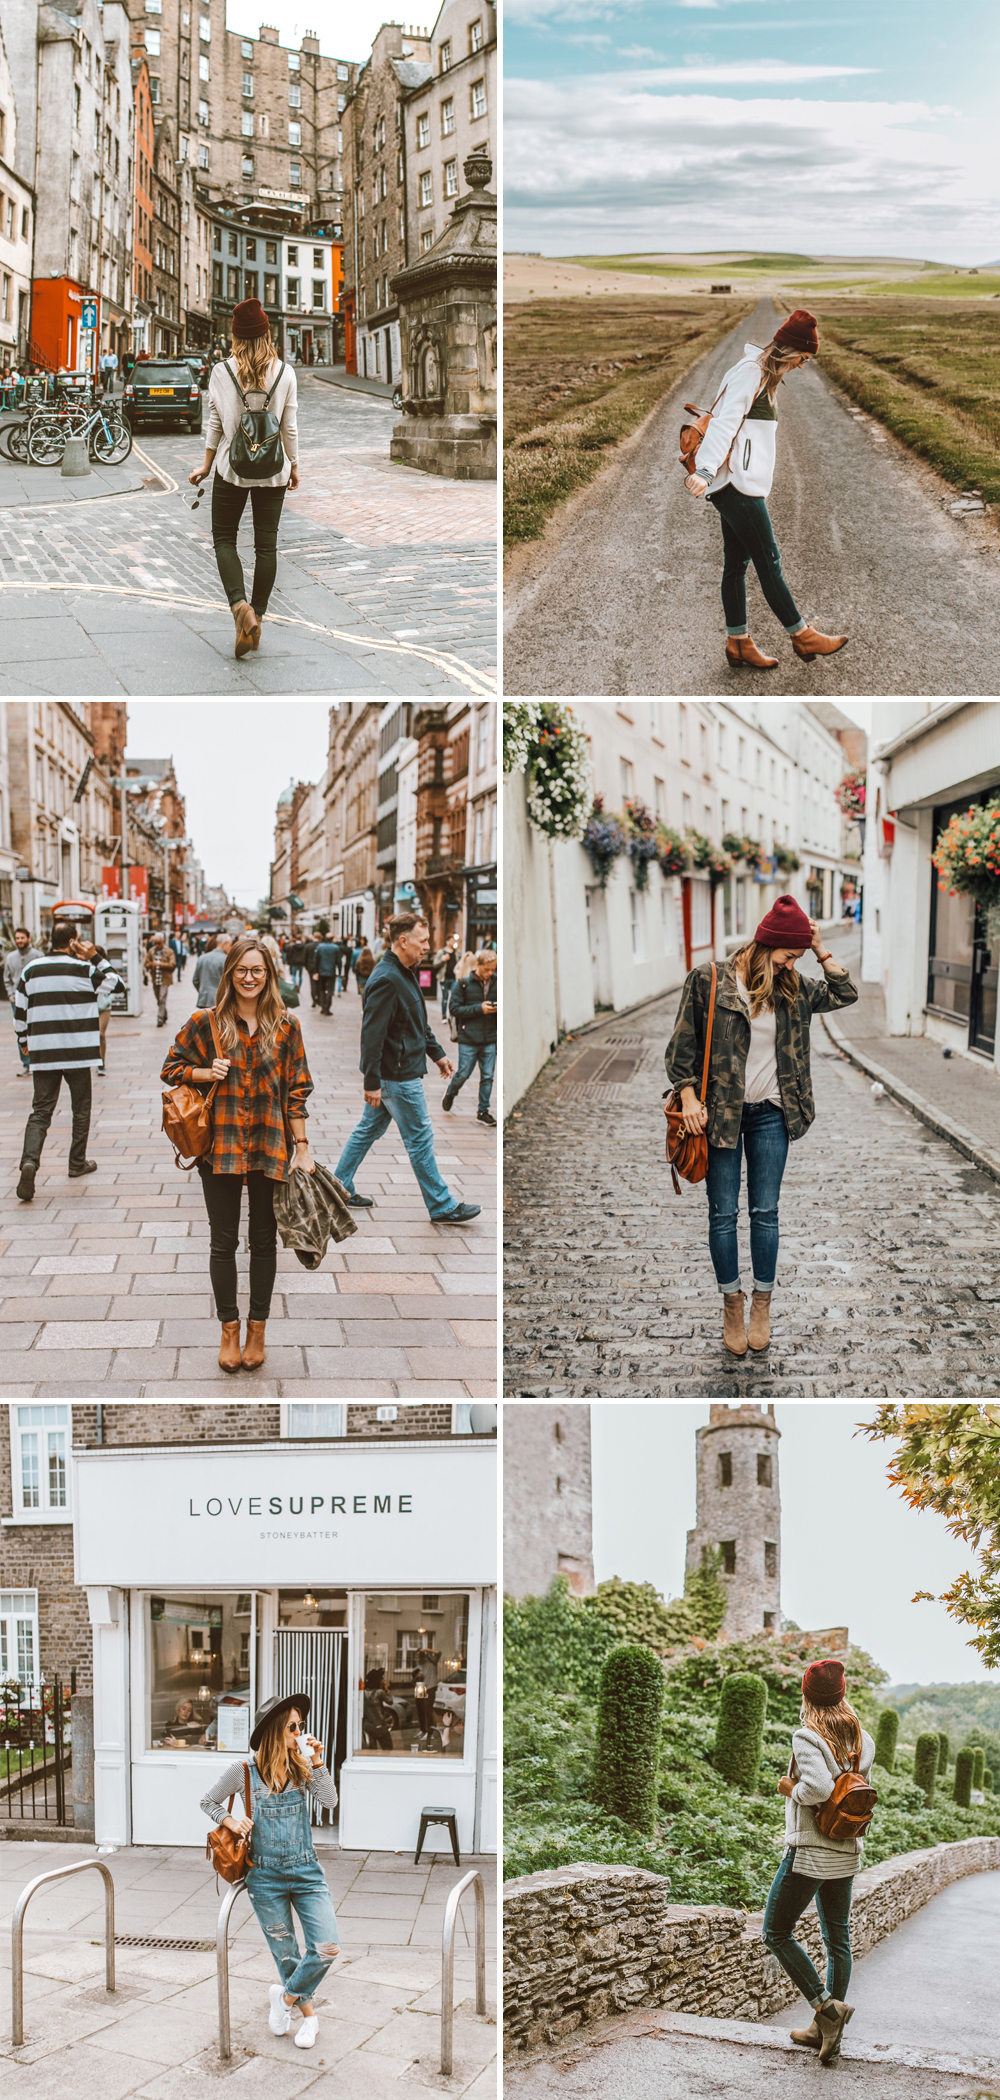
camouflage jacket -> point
(685, 1051)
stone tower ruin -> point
(739, 1514)
(547, 1511)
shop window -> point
(312, 1607)
(40, 1446)
(200, 1674)
(313, 1417)
(414, 1684)
(19, 1636)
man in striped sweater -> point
(56, 1019)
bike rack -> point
(17, 1935)
(222, 1966)
(475, 1881)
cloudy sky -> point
(342, 33)
(852, 1551)
(232, 759)
(802, 126)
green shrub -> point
(978, 1769)
(629, 1711)
(987, 1781)
(550, 1643)
(944, 1753)
(739, 1736)
(704, 1595)
(886, 1738)
(963, 1777)
(925, 1764)
(990, 1744)
(635, 1611)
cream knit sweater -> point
(818, 1771)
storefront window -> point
(312, 1607)
(951, 954)
(414, 1679)
(200, 1672)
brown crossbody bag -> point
(687, 1152)
(228, 1850)
(187, 1114)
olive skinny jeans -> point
(228, 505)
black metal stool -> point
(438, 1815)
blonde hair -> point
(838, 1725)
(761, 978)
(254, 358)
(276, 1760)
(775, 361)
(467, 965)
(270, 1005)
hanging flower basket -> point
(560, 791)
(967, 859)
(850, 794)
(740, 848)
(720, 867)
(671, 851)
(643, 845)
(604, 839)
(787, 859)
(520, 719)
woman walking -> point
(284, 1873)
(829, 1741)
(759, 1092)
(254, 369)
(105, 1001)
(735, 467)
(264, 1083)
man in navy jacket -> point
(396, 1042)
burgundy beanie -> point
(799, 332)
(784, 926)
(824, 1684)
(250, 321)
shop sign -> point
(767, 870)
(287, 1513)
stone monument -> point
(739, 1513)
(448, 338)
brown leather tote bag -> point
(850, 1807)
(228, 1851)
(687, 1153)
(187, 1115)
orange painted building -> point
(142, 215)
(56, 308)
(347, 307)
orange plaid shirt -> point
(255, 1102)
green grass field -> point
(928, 372)
(579, 376)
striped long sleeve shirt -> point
(55, 1011)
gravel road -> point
(625, 598)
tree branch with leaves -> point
(948, 1459)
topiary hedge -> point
(944, 1752)
(629, 1711)
(964, 1763)
(987, 1781)
(739, 1735)
(886, 1738)
(925, 1764)
(978, 1769)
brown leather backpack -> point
(687, 1152)
(228, 1851)
(693, 433)
(850, 1807)
(187, 1114)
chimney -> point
(267, 34)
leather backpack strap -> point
(708, 1036)
(227, 367)
(281, 368)
(246, 1791)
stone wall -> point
(547, 1504)
(582, 1943)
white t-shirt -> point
(762, 1064)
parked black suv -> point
(163, 388)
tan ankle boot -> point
(760, 1319)
(229, 1353)
(733, 1328)
(810, 2037)
(831, 2019)
(253, 1348)
(741, 649)
(244, 617)
(809, 643)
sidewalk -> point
(157, 2035)
(356, 383)
(38, 487)
(956, 1096)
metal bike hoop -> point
(473, 1881)
(17, 1935)
(222, 1967)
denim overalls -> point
(285, 1872)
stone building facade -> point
(167, 319)
(376, 235)
(454, 113)
(62, 817)
(442, 735)
(739, 1513)
(547, 1499)
(143, 205)
(83, 152)
(17, 225)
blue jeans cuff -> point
(765, 1288)
(798, 627)
(737, 1286)
(739, 633)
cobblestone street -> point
(104, 1281)
(386, 577)
(888, 1276)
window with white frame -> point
(203, 69)
(447, 116)
(295, 134)
(638, 944)
(451, 178)
(423, 130)
(246, 122)
(426, 189)
(19, 1636)
(475, 36)
(40, 1450)
(627, 779)
(477, 97)
(313, 1418)
(660, 799)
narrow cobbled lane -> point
(888, 1277)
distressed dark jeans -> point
(223, 1197)
(228, 506)
(748, 536)
(764, 1138)
(789, 1896)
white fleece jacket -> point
(751, 461)
(818, 1772)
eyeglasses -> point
(249, 973)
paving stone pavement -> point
(387, 579)
(156, 2035)
(104, 1281)
(888, 1276)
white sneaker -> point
(279, 2018)
(307, 2032)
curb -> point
(751, 2035)
(935, 1119)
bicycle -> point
(67, 414)
(110, 439)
